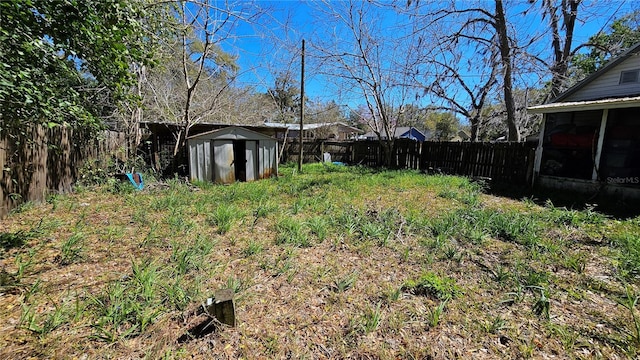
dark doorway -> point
(240, 159)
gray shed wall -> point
(211, 156)
(200, 164)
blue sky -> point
(260, 58)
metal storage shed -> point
(232, 153)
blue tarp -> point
(136, 180)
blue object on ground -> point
(338, 163)
(136, 180)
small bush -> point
(436, 314)
(371, 319)
(344, 284)
(253, 247)
(127, 306)
(13, 240)
(263, 209)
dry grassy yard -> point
(336, 262)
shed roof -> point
(217, 125)
(232, 133)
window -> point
(630, 76)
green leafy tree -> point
(444, 125)
(623, 33)
(68, 61)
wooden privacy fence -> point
(502, 162)
(45, 160)
(312, 151)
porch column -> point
(596, 160)
(538, 156)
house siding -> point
(608, 84)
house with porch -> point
(590, 136)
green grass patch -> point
(433, 285)
(324, 261)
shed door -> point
(252, 159)
(223, 170)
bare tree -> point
(366, 61)
(132, 114)
(479, 31)
(561, 17)
(203, 27)
(464, 95)
(196, 75)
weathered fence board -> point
(502, 162)
(407, 154)
(312, 151)
(368, 153)
(340, 151)
(45, 160)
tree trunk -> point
(475, 127)
(387, 149)
(505, 54)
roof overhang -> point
(313, 126)
(232, 132)
(618, 103)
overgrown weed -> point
(343, 253)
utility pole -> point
(301, 109)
